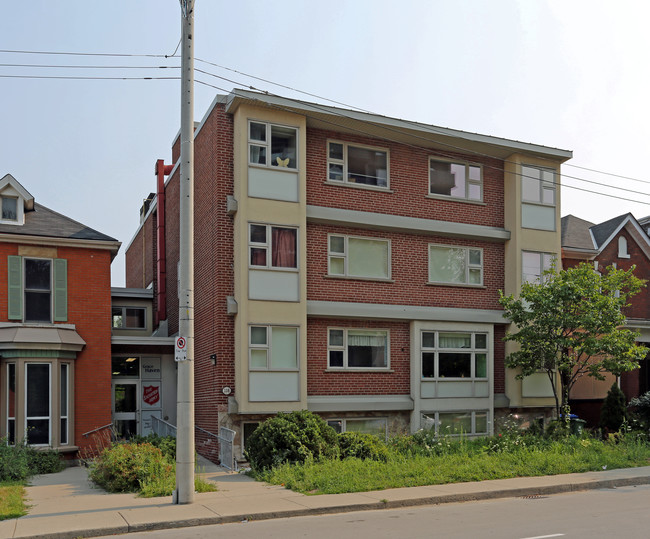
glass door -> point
(125, 408)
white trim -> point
(345, 160)
(345, 255)
(468, 182)
(468, 265)
(345, 346)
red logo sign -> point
(151, 394)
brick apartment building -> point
(622, 242)
(349, 264)
(55, 331)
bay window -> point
(357, 349)
(454, 355)
(272, 145)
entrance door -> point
(125, 408)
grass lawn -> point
(459, 462)
(11, 500)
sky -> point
(567, 74)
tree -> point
(614, 410)
(569, 325)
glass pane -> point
(441, 178)
(455, 423)
(337, 266)
(336, 151)
(126, 367)
(337, 244)
(336, 358)
(428, 340)
(258, 233)
(530, 270)
(37, 274)
(446, 265)
(530, 184)
(258, 335)
(283, 251)
(428, 362)
(367, 166)
(458, 172)
(480, 422)
(135, 318)
(64, 431)
(336, 172)
(126, 428)
(126, 398)
(38, 431)
(474, 173)
(548, 261)
(475, 257)
(9, 209)
(538, 217)
(284, 348)
(37, 307)
(249, 428)
(258, 359)
(367, 258)
(116, 313)
(336, 337)
(64, 390)
(367, 348)
(474, 276)
(474, 191)
(454, 365)
(480, 341)
(283, 146)
(258, 256)
(367, 426)
(257, 131)
(336, 424)
(11, 431)
(455, 340)
(481, 366)
(11, 387)
(548, 196)
(38, 389)
(257, 155)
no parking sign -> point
(181, 349)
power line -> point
(87, 66)
(71, 77)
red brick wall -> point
(321, 382)
(134, 261)
(410, 259)
(409, 179)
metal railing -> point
(226, 452)
(160, 427)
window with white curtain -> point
(455, 265)
(351, 256)
(273, 348)
(357, 348)
(454, 355)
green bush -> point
(293, 437)
(362, 446)
(641, 406)
(614, 412)
(44, 461)
(167, 444)
(20, 461)
(125, 467)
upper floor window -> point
(454, 355)
(38, 290)
(455, 179)
(9, 209)
(538, 198)
(622, 247)
(534, 265)
(455, 265)
(129, 317)
(272, 145)
(357, 348)
(358, 165)
(273, 348)
(351, 256)
(273, 246)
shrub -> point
(44, 461)
(125, 467)
(362, 446)
(613, 413)
(167, 444)
(20, 461)
(293, 437)
(641, 406)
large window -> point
(538, 195)
(351, 256)
(64, 381)
(455, 179)
(534, 265)
(455, 265)
(454, 355)
(129, 317)
(358, 165)
(272, 145)
(38, 290)
(375, 425)
(37, 403)
(457, 423)
(357, 348)
(273, 246)
(273, 348)
(11, 403)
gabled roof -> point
(575, 233)
(603, 231)
(9, 181)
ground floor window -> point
(375, 425)
(457, 423)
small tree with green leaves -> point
(614, 409)
(569, 326)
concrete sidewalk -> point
(66, 505)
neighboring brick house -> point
(623, 243)
(55, 331)
(350, 264)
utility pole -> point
(185, 358)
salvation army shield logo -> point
(150, 394)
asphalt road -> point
(616, 513)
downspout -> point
(162, 170)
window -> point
(457, 423)
(248, 428)
(63, 406)
(273, 348)
(455, 265)
(534, 265)
(455, 179)
(376, 426)
(454, 355)
(38, 289)
(622, 247)
(9, 209)
(125, 367)
(351, 256)
(129, 317)
(358, 165)
(273, 246)
(272, 145)
(538, 198)
(37, 403)
(357, 349)
(11, 403)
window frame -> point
(268, 346)
(468, 181)
(267, 144)
(343, 421)
(123, 316)
(538, 200)
(541, 259)
(427, 416)
(8, 407)
(468, 266)
(345, 346)
(49, 417)
(344, 162)
(437, 349)
(346, 253)
(26, 290)
(64, 440)
(268, 247)
(8, 220)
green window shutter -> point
(60, 290)
(15, 289)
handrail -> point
(85, 434)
